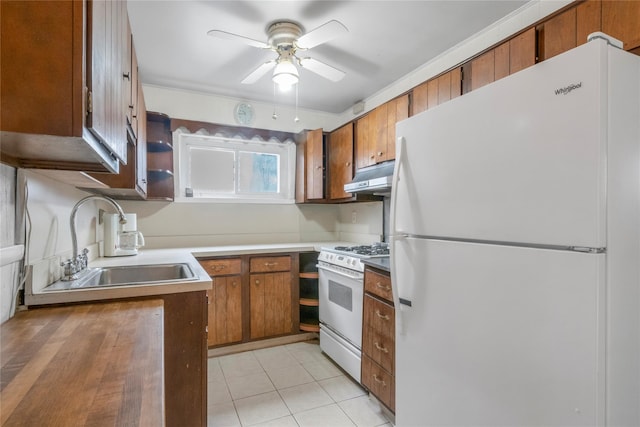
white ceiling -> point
(386, 41)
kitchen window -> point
(221, 169)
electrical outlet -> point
(354, 217)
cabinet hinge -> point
(89, 102)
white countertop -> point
(163, 256)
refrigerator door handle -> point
(401, 304)
(393, 203)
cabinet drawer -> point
(378, 284)
(222, 267)
(380, 317)
(270, 263)
(379, 382)
(380, 348)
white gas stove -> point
(341, 292)
(350, 257)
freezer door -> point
(519, 160)
(498, 335)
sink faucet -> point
(78, 262)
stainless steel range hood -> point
(375, 179)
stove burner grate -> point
(375, 249)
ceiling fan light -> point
(285, 75)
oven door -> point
(340, 299)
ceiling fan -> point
(287, 39)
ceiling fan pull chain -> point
(274, 116)
(297, 119)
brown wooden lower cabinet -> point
(378, 337)
(185, 359)
(225, 310)
(379, 382)
(253, 297)
(271, 310)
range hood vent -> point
(375, 179)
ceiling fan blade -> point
(322, 69)
(258, 73)
(322, 34)
(219, 34)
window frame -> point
(183, 140)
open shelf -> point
(159, 173)
(159, 146)
(309, 325)
(309, 302)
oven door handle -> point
(330, 270)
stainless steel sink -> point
(127, 275)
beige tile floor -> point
(289, 385)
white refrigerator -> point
(515, 249)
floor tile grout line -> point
(277, 390)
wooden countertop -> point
(91, 364)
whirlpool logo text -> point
(566, 90)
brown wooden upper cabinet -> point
(376, 132)
(310, 164)
(131, 181)
(621, 19)
(436, 91)
(340, 152)
(507, 58)
(397, 110)
(617, 18)
(362, 137)
(568, 29)
(62, 84)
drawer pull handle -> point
(381, 348)
(257, 282)
(219, 267)
(382, 316)
(381, 286)
(234, 284)
(378, 380)
(270, 264)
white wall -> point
(207, 224)
(184, 104)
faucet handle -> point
(70, 269)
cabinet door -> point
(340, 151)
(397, 110)
(379, 382)
(483, 70)
(378, 338)
(621, 19)
(141, 147)
(225, 310)
(106, 118)
(363, 141)
(271, 304)
(501, 60)
(419, 98)
(379, 151)
(522, 51)
(432, 93)
(315, 167)
(589, 19)
(558, 34)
